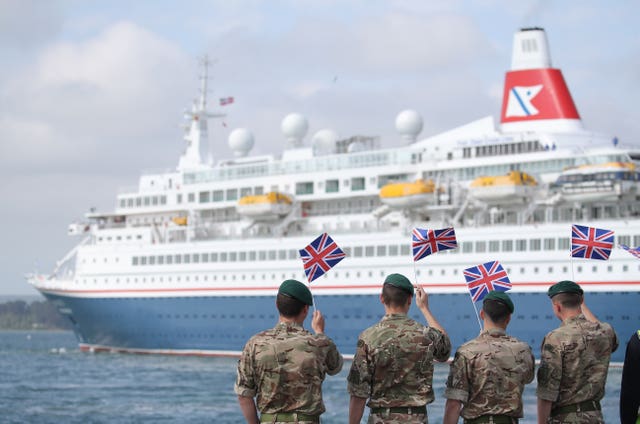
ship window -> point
(218, 195)
(549, 244)
(594, 268)
(272, 255)
(494, 246)
(626, 240)
(134, 261)
(521, 245)
(393, 250)
(609, 268)
(138, 201)
(205, 257)
(304, 188)
(368, 251)
(214, 257)
(357, 183)
(152, 260)
(564, 269)
(195, 258)
(204, 197)
(123, 203)
(405, 249)
(579, 269)
(481, 246)
(232, 194)
(187, 258)
(252, 256)
(550, 270)
(178, 259)
(154, 200)
(163, 200)
(233, 256)
(160, 260)
(535, 270)
(223, 256)
(293, 254)
(258, 190)
(636, 241)
(521, 270)
(143, 260)
(564, 243)
(130, 203)
(147, 201)
(332, 186)
(467, 246)
(625, 268)
(262, 255)
(442, 271)
(242, 256)
(191, 197)
(169, 259)
(245, 191)
(381, 251)
(282, 255)
(357, 251)
(430, 272)
(534, 244)
(347, 251)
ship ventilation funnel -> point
(536, 97)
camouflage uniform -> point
(573, 367)
(393, 367)
(488, 375)
(284, 367)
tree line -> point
(20, 315)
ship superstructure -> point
(189, 261)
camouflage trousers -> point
(397, 418)
(585, 417)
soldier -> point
(393, 364)
(574, 360)
(488, 374)
(630, 385)
(284, 367)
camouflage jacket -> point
(488, 375)
(574, 361)
(284, 368)
(393, 364)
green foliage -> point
(20, 315)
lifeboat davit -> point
(605, 181)
(515, 186)
(407, 195)
(269, 206)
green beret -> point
(501, 297)
(564, 287)
(399, 281)
(297, 290)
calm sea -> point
(44, 378)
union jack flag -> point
(426, 242)
(590, 242)
(634, 251)
(483, 278)
(226, 101)
(320, 256)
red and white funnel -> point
(536, 98)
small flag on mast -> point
(590, 242)
(427, 242)
(320, 256)
(483, 278)
(226, 101)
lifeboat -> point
(269, 206)
(408, 194)
(516, 185)
(605, 181)
(179, 220)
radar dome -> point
(356, 147)
(294, 127)
(324, 141)
(409, 124)
(240, 141)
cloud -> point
(90, 100)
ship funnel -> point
(536, 97)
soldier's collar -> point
(495, 332)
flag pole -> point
(476, 309)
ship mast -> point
(197, 132)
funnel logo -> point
(519, 103)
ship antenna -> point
(197, 132)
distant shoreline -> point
(30, 313)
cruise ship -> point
(190, 260)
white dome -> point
(241, 141)
(409, 124)
(355, 147)
(294, 127)
(324, 141)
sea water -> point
(44, 378)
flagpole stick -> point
(477, 314)
(415, 273)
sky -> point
(92, 94)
